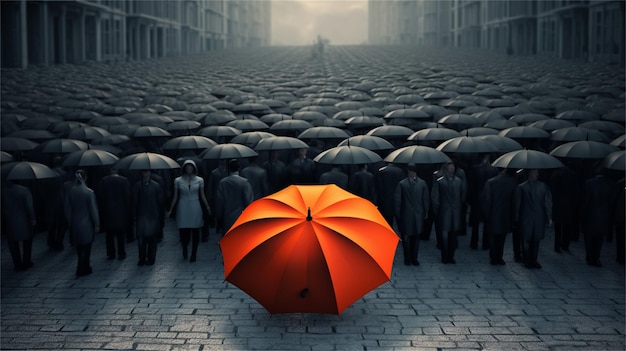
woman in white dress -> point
(188, 199)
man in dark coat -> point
(564, 189)
(335, 176)
(362, 184)
(302, 169)
(54, 209)
(81, 210)
(598, 200)
(447, 198)
(115, 202)
(157, 177)
(18, 221)
(220, 172)
(498, 210)
(276, 172)
(387, 179)
(411, 202)
(478, 176)
(257, 176)
(234, 194)
(148, 203)
(533, 209)
(620, 221)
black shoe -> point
(474, 246)
(192, 259)
(121, 257)
(518, 258)
(493, 263)
(141, 263)
(149, 262)
(595, 264)
(501, 262)
(407, 262)
(536, 265)
(185, 254)
(444, 261)
(452, 261)
(415, 263)
(529, 265)
(557, 250)
(565, 248)
(27, 265)
(110, 258)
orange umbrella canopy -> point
(309, 249)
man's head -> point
(411, 170)
(302, 152)
(533, 174)
(450, 168)
(233, 165)
(145, 174)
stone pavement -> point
(177, 305)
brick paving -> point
(177, 305)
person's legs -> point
(110, 243)
(415, 246)
(620, 231)
(445, 243)
(141, 245)
(152, 248)
(475, 233)
(500, 248)
(184, 239)
(28, 249)
(517, 245)
(120, 237)
(195, 241)
(14, 249)
(452, 245)
(558, 236)
(493, 249)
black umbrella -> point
(5, 157)
(91, 157)
(27, 171)
(215, 132)
(583, 150)
(347, 155)
(577, 134)
(16, 144)
(391, 132)
(62, 146)
(248, 125)
(503, 144)
(228, 151)
(146, 160)
(615, 160)
(251, 139)
(370, 142)
(36, 135)
(280, 143)
(525, 132)
(323, 133)
(551, 124)
(467, 145)
(150, 132)
(527, 159)
(189, 142)
(620, 141)
(417, 154)
(87, 133)
(434, 134)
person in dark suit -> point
(335, 176)
(411, 202)
(533, 209)
(81, 210)
(18, 222)
(148, 204)
(620, 221)
(164, 185)
(387, 179)
(234, 194)
(55, 217)
(115, 202)
(302, 169)
(277, 172)
(564, 189)
(599, 195)
(257, 176)
(478, 176)
(362, 184)
(498, 211)
(217, 174)
(447, 198)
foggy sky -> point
(298, 22)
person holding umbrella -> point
(277, 172)
(257, 176)
(115, 200)
(533, 209)
(388, 178)
(302, 169)
(411, 202)
(479, 174)
(188, 197)
(81, 210)
(362, 183)
(148, 200)
(447, 199)
(598, 200)
(335, 176)
(234, 193)
(497, 207)
(18, 221)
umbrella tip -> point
(308, 215)
(304, 292)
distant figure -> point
(148, 202)
(115, 202)
(448, 196)
(18, 222)
(217, 174)
(277, 172)
(411, 202)
(498, 209)
(302, 169)
(84, 221)
(533, 208)
(598, 204)
(257, 176)
(362, 184)
(479, 174)
(234, 194)
(387, 179)
(335, 176)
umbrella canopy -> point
(16, 144)
(503, 144)
(578, 133)
(323, 133)
(309, 249)
(37, 135)
(91, 157)
(146, 160)
(280, 143)
(584, 150)
(434, 134)
(577, 116)
(27, 171)
(189, 142)
(552, 124)
(228, 151)
(467, 145)
(620, 141)
(87, 133)
(347, 155)
(370, 142)
(615, 160)
(250, 139)
(5, 157)
(391, 132)
(527, 159)
(150, 132)
(524, 132)
(246, 125)
(219, 131)
(417, 154)
(62, 146)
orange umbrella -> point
(309, 249)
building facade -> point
(58, 32)
(579, 30)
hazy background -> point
(298, 22)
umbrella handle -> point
(308, 216)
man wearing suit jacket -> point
(598, 202)
(497, 205)
(388, 178)
(447, 197)
(533, 208)
(411, 200)
(234, 193)
(257, 176)
(115, 201)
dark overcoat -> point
(234, 194)
(82, 215)
(448, 196)
(497, 204)
(148, 202)
(411, 202)
(115, 201)
(533, 208)
(18, 212)
(257, 176)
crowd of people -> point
(451, 197)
